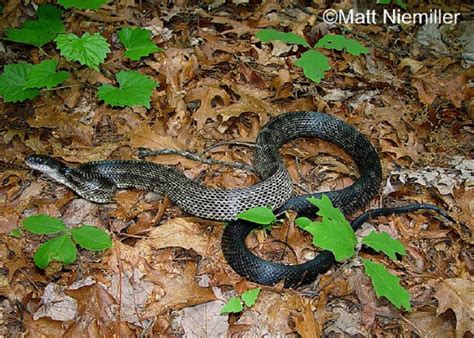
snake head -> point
(48, 166)
(90, 186)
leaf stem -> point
(63, 87)
(44, 52)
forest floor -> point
(166, 274)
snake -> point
(98, 181)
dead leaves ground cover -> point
(166, 274)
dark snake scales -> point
(99, 180)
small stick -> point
(236, 143)
(143, 152)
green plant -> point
(44, 74)
(82, 4)
(399, 3)
(138, 42)
(13, 83)
(89, 50)
(39, 32)
(334, 233)
(236, 304)
(313, 63)
(134, 89)
(21, 81)
(62, 248)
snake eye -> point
(66, 171)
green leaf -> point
(233, 305)
(13, 83)
(303, 222)
(43, 224)
(314, 65)
(382, 241)
(91, 238)
(387, 285)
(137, 42)
(82, 4)
(134, 90)
(334, 232)
(44, 75)
(327, 210)
(258, 215)
(268, 35)
(60, 249)
(340, 42)
(89, 50)
(39, 32)
(250, 296)
(16, 233)
(402, 4)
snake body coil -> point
(98, 182)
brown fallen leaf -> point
(154, 137)
(457, 294)
(237, 27)
(207, 96)
(283, 84)
(253, 77)
(56, 304)
(43, 327)
(427, 324)
(186, 233)
(454, 88)
(179, 66)
(204, 320)
(177, 290)
(273, 312)
(131, 291)
(251, 100)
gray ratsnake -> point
(99, 180)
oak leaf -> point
(208, 97)
(457, 294)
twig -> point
(143, 152)
(237, 143)
(302, 187)
(102, 17)
(286, 243)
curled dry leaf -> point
(132, 292)
(282, 84)
(445, 180)
(56, 304)
(427, 324)
(179, 67)
(457, 294)
(272, 313)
